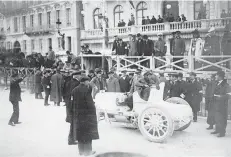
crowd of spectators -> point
(147, 20)
(224, 14)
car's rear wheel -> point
(155, 124)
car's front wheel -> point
(155, 124)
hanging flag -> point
(130, 1)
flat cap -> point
(123, 71)
(110, 72)
(147, 73)
(84, 78)
(145, 37)
(138, 35)
(192, 74)
(76, 73)
(195, 31)
(138, 71)
(221, 73)
(180, 75)
(97, 70)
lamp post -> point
(58, 23)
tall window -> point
(57, 14)
(24, 23)
(96, 14)
(59, 42)
(15, 24)
(49, 42)
(229, 5)
(141, 11)
(32, 45)
(32, 20)
(24, 45)
(68, 16)
(40, 45)
(201, 10)
(40, 19)
(9, 45)
(118, 14)
(49, 19)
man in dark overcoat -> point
(178, 87)
(69, 86)
(115, 43)
(57, 83)
(15, 97)
(193, 94)
(173, 89)
(38, 85)
(84, 117)
(139, 44)
(209, 100)
(46, 83)
(120, 50)
(221, 98)
(124, 82)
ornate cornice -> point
(57, 6)
(39, 10)
(67, 4)
(48, 8)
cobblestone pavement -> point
(44, 131)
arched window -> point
(141, 11)
(201, 10)
(97, 12)
(118, 14)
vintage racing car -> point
(155, 118)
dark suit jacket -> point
(114, 46)
(124, 84)
(120, 50)
(148, 47)
(222, 102)
(140, 47)
(193, 95)
(15, 90)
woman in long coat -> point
(84, 117)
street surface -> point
(44, 132)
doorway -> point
(49, 43)
(17, 47)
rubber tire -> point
(170, 128)
(184, 127)
(177, 100)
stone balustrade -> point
(93, 33)
(43, 28)
(166, 28)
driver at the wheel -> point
(145, 83)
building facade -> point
(32, 26)
(118, 10)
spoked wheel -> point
(177, 100)
(155, 124)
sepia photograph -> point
(115, 78)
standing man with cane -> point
(15, 97)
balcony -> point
(38, 30)
(166, 28)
